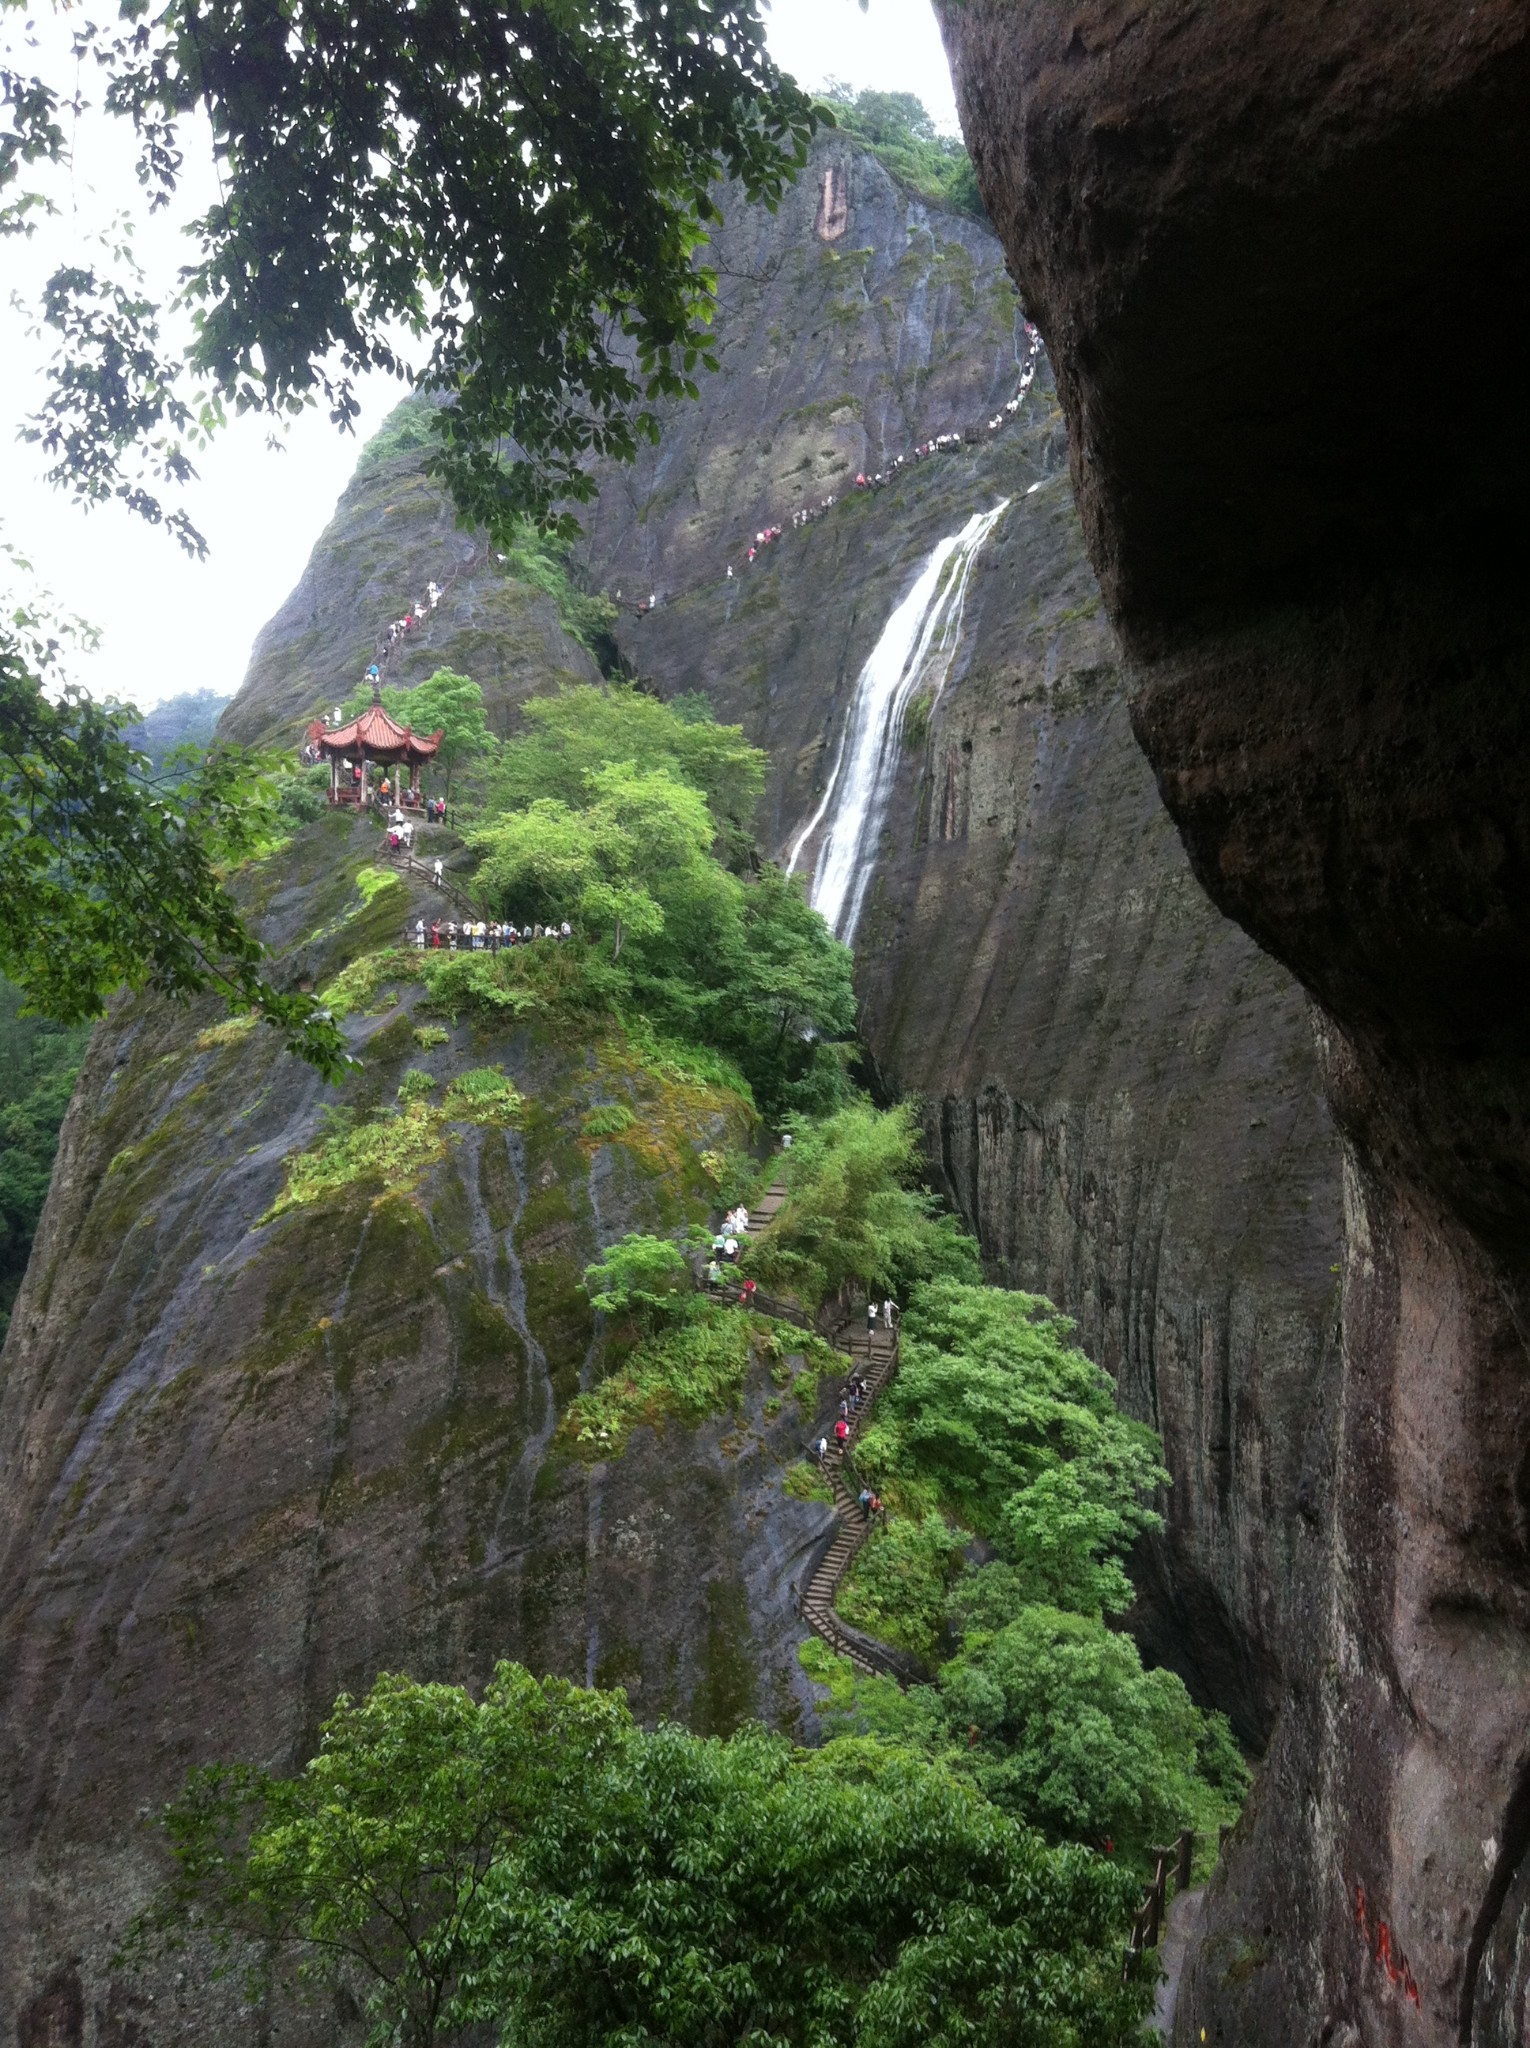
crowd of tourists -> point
(938, 444)
(396, 629)
(873, 480)
(480, 935)
(725, 1247)
(967, 437)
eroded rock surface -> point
(254, 1462)
(252, 1455)
(1238, 228)
(1122, 1091)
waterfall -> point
(917, 647)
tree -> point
(447, 703)
(646, 1276)
(1074, 1737)
(990, 1400)
(528, 185)
(569, 735)
(853, 1216)
(367, 1868)
(108, 880)
(637, 851)
(539, 1866)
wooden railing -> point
(1154, 1910)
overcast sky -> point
(169, 624)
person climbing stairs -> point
(873, 1362)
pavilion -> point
(374, 736)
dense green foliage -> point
(855, 1216)
(538, 1865)
(38, 1064)
(108, 880)
(576, 733)
(626, 818)
(997, 1427)
(901, 135)
(997, 1419)
(643, 1276)
(527, 193)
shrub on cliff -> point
(626, 817)
(538, 1865)
(998, 1421)
(855, 1217)
(646, 1277)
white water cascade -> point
(917, 647)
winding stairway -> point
(876, 1360)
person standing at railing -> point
(871, 1322)
(419, 933)
(436, 875)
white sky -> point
(169, 624)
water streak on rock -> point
(915, 651)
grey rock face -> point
(1121, 1091)
(1225, 220)
(243, 1464)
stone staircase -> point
(876, 1360)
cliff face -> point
(250, 1456)
(1122, 1092)
(248, 1462)
(1328, 666)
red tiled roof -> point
(376, 735)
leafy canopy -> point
(538, 1865)
(996, 1419)
(570, 735)
(996, 1426)
(525, 190)
(1076, 1738)
(854, 1214)
(620, 814)
(108, 880)
(646, 1276)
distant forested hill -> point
(187, 720)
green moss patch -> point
(231, 1031)
(356, 987)
(696, 1369)
(608, 1120)
(806, 1482)
(395, 1146)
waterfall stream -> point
(917, 647)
